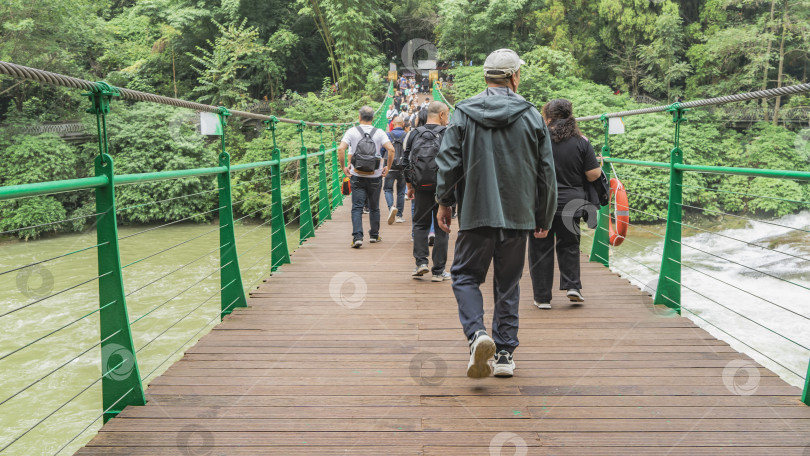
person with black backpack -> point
(420, 153)
(366, 169)
(395, 177)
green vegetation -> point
(704, 139)
(238, 52)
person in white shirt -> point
(392, 112)
(365, 186)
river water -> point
(746, 282)
(773, 263)
(154, 308)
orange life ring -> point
(620, 219)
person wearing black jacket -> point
(575, 165)
(424, 201)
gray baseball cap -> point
(502, 63)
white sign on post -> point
(615, 126)
(209, 124)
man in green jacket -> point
(496, 163)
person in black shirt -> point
(424, 205)
(574, 162)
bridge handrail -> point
(120, 389)
(56, 79)
(668, 286)
(757, 95)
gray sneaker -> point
(420, 270)
(575, 296)
(542, 305)
(504, 364)
(482, 347)
(392, 215)
(441, 277)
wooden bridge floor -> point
(314, 368)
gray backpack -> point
(366, 157)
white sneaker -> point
(392, 215)
(400, 220)
(575, 296)
(441, 277)
(542, 305)
(420, 270)
(481, 351)
(504, 364)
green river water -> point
(156, 349)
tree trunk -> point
(768, 63)
(174, 72)
(781, 64)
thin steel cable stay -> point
(172, 272)
(190, 339)
(94, 420)
(184, 316)
(63, 405)
(61, 366)
(178, 294)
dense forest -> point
(289, 54)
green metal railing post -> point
(337, 199)
(230, 277)
(307, 228)
(600, 250)
(121, 382)
(324, 212)
(668, 291)
(280, 253)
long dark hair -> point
(559, 114)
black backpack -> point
(399, 147)
(423, 168)
(366, 157)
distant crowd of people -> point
(504, 171)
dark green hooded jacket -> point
(495, 161)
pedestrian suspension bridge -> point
(340, 351)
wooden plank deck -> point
(313, 367)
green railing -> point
(669, 285)
(121, 380)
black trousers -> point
(424, 215)
(476, 249)
(541, 258)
